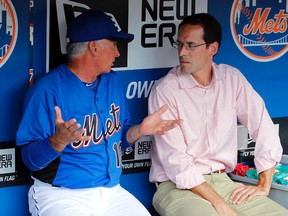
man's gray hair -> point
(75, 49)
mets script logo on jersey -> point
(8, 30)
(112, 125)
(259, 28)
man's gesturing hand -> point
(66, 132)
(154, 125)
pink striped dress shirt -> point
(207, 139)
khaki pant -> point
(170, 201)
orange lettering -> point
(256, 22)
(260, 23)
(281, 22)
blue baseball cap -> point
(95, 25)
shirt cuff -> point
(189, 179)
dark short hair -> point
(212, 28)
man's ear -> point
(214, 48)
(92, 45)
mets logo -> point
(259, 28)
(8, 30)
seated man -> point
(190, 162)
(76, 168)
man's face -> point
(197, 60)
(108, 52)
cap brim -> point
(121, 36)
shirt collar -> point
(187, 80)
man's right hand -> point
(225, 210)
(205, 191)
(66, 132)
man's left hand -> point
(246, 193)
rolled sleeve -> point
(189, 179)
(268, 159)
